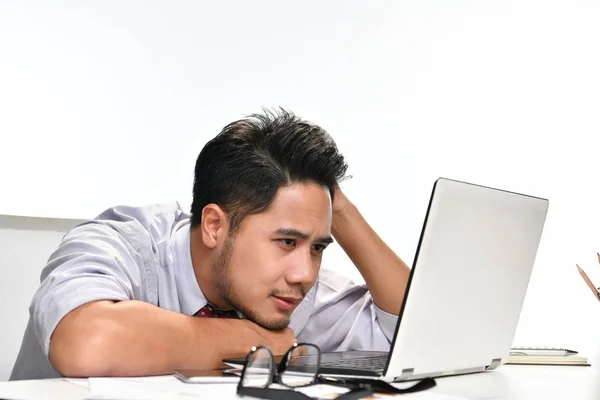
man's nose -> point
(303, 269)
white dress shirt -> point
(143, 253)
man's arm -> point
(385, 274)
(133, 338)
(93, 315)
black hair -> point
(242, 168)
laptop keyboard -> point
(367, 363)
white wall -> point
(110, 102)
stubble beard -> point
(225, 287)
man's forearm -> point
(385, 274)
(133, 338)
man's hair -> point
(242, 168)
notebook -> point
(571, 359)
(465, 290)
(545, 356)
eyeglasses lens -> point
(258, 369)
(303, 366)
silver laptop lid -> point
(468, 281)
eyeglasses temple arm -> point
(272, 394)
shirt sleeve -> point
(92, 262)
(343, 316)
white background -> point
(105, 103)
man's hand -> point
(340, 201)
(278, 341)
(384, 272)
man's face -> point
(267, 268)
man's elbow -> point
(82, 355)
(83, 342)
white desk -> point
(510, 382)
(517, 382)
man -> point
(122, 294)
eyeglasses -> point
(299, 367)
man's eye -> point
(288, 242)
(319, 248)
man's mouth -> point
(287, 302)
(290, 299)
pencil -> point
(589, 283)
(598, 256)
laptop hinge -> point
(494, 364)
(406, 373)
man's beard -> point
(227, 291)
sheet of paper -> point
(83, 382)
(156, 388)
(161, 387)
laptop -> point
(465, 290)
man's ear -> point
(214, 225)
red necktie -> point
(211, 312)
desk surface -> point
(511, 382)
